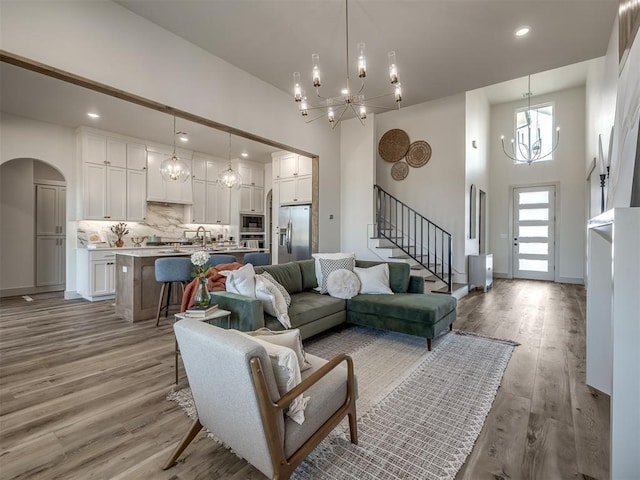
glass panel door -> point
(533, 236)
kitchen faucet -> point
(204, 235)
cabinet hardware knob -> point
(295, 199)
(296, 173)
(144, 168)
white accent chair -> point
(236, 398)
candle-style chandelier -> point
(529, 146)
(334, 108)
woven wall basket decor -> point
(419, 154)
(393, 145)
(399, 171)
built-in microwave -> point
(251, 223)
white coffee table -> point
(218, 314)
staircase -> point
(404, 235)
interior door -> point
(534, 232)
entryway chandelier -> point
(229, 178)
(174, 169)
(529, 146)
(334, 108)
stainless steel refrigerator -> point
(294, 233)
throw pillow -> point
(272, 300)
(374, 279)
(332, 256)
(343, 284)
(241, 281)
(286, 371)
(328, 265)
(279, 286)
(289, 338)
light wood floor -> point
(82, 393)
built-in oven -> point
(252, 231)
(251, 223)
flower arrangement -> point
(199, 260)
(120, 230)
(200, 269)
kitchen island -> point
(137, 291)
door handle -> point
(289, 231)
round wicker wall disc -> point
(419, 154)
(393, 145)
(399, 171)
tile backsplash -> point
(163, 220)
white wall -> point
(600, 105)
(477, 126)
(566, 170)
(23, 139)
(107, 43)
(436, 190)
(357, 177)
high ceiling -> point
(443, 47)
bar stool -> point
(217, 259)
(257, 258)
(170, 271)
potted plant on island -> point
(120, 229)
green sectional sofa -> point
(408, 310)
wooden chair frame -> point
(283, 467)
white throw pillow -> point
(343, 284)
(374, 279)
(241, 281)
(331, 256)
(279, 286)
(272, 300)
(328, 265)
(289, 338)
(286, 371)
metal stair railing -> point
(417, 236)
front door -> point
(534, 232)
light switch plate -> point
(124, 269)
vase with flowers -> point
(200, 269)
(120, 230)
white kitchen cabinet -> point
(50, 260)
(217, 204)
(199, 169)
(481, 271)
(161, 190)
(105, 192)
(116, 153)
(136, 157)
(94, 148)
(295, 190)
(96, 274)
(252, 174)
(136, 195)
(251, 199)
(50, 210)
(292, 165)
(199, 205)
(213, 169)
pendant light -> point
(174, 169)
(229, 178)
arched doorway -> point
(32, 227)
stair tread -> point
(431, 278)
(445, 289)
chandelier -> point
(334, 108)
(529, 146)
(173, 168)
(229, 178)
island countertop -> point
(185, 251)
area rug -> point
(419, 412)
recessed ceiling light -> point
(244, 154)
(183, 138)
(93, 115)
(522, 31)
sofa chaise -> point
(409, 310)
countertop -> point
(181, 251)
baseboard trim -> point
(575, 281)
(16, 292)
(501, 275)
(71, 295)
